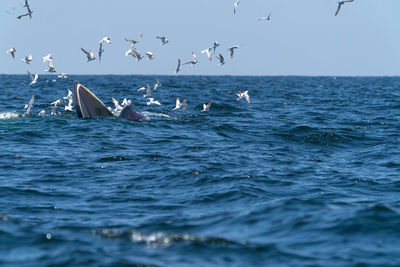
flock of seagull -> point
(136, 54)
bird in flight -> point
(231, 50)
(208, 52)
(100, 52)
(193, 61)
(133, 42)
(51, 67)
(48, 58)
(29, 13)
(235, 5)
(12, 52)
(27, 59)
(33, 78)
(152, 101)
(157, 84)
(265, 18)
(340, 3)
(178, 68)
(163, 39)
(180, 104)
(106, 39)
(26, 4)
(221, 60)
(206, 106)
(244, 94)
(29, 106)
(149, 55)
(215, 45)
(89, 54)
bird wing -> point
(246, 96)
(36, 77)
(338, 8)
(86, 52)
(115, 102)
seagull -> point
(118, 107)
(152, 101)
(26, 14)
(143, 88)
(193, 61)
(47, 58)
(69, 96)
(42, 112)
(126, 102)
(265, 18)
(180, 105)
(100, 52)
(69, 106)
(105, 39)
(208, 52)
(221, 60)
(244, 94)
(29, 106)
(148, 91)
(33, 78)
(215, 45)
(235, 5)
(57, 102)
(133, 42)
(26, 4)
(231, 50)
(62, 76)
(134, 53)
(89, 55)
(163, 40)
(340, 3)
(12, 52)
(157, 84)
(206, 106)
(178, 68)
(27, 59)
(51, 67)
(149, 55)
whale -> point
(88, 105)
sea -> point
(306, 174)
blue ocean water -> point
(307, 174)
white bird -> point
(143, 88)
(57, 102)
(62, 76)
(231, 50)
(69, 96)
(12, 52)
(51, 67)
(265, 18)
(180, 104)
(148, 91)
(33, 78)
(29, 106)
(27, 59)
(244, 94)
(69, 107)
(89, 54)
(157, 84)
(178, 68)
(42, 112)
(221, 60)
(117, 106)
(152, 101)
(206, 106)
(163, 40)
(126, 102)
(235, 5)
(193, 61)
(48, 58)
(134, 53)
(149, 55)
(105, 39)
(133, 42)
(340, 3)
(208, 52)
(215, 45)
(100, 52)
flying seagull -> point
(89, 55)
(69, 106)
(244, 94)
(100, 52)
(215, 45)
(27, 59)
(149, 55)
(106, 39)
(206, 106)
(340, 3)
(180, 104)
(178, 68)
(51, 67)
(208, 52)
(148, 91)
(143, 88)
(133, 42)
(48, 58)
(193, 61)
(221, 60)
(29, 106)
(163, 39)
(33, 78)
(235, 5)
(231, 50)
(134, 53)
(157, 84)
(26, 4)
(265, 18)
(152, 101)
(12, 52)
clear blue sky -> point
(302, 38)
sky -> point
(302, 37)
